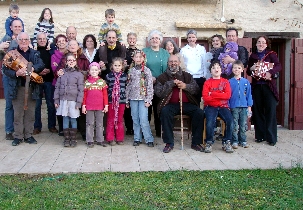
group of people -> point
(93, 85)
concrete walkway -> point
(49, 156)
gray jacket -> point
(70, 87)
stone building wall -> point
(145, 15)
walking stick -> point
(180, 97)
(27, 79)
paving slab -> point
(49, 155)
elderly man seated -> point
(167, 88)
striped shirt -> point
(45, 27)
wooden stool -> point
(222, 129)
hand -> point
(125, 62)
(55, 64)
(180, 84)
(255, 67)
(21, 72)
(44, 72)
(60, 72)
(154, 80)
(102, 65)
(147, 104)
(127, 105)
(105, 110)
(48, 47)
(268, 76)
(84, 109)
(227, 59)
(35, 47)
(4, 45)
(102, 44)
(56, 105)
(122, 43)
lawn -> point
(243, 189)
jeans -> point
(140, 121)
(211, 114)
(167, 119)
(66, 121)
(239, 127)
(48, 90)
(9, 110)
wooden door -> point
(247, 43)
(296, 86)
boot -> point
(73, 133)
(66, 137)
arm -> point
(118, 31)
(38, 64)
(249, 95)
(36, 31)
(51, 34)
(84, 102)
(105, 99)
(149, 88)
(102, 32)
(277, 65)
(225, 94)
(243, 55)
(80, 86)
(7, 27)
(163, 89)
(56, 93)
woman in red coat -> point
(265, 93)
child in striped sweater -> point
(45, 25)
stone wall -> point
(145, 15)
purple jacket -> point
(56, 58)
(272, 58)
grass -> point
(244, 189)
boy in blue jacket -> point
(240, 104)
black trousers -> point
(264, 113)
(154, 109)
(200, 81)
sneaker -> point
(136, 143)
(103, 144)
(197, 147)
(150, 144)
(16, 142)
(235, 145)
(227, 147)
(9, 136)
(90, 144)
(120, 142)
(112, 143)
(30, 140)
(168, 148)
(208, 148)
(244, 144)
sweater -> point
(156, 60)
(133, 85)
(216, 92)
(95, 94)
(45, 27)
(195, 60)
(46, 58)
(110, 80)
(55, 60)
(240, 93)
(105, 27)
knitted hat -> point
(94, 64)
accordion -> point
(15, 61)
(260, 73)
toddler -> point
(95, 104)
(68, 98)
(139, 94)
(116, 81)
(109, 25)
(216, 93)
(240, 104)
(231, 49)
(13, 12)
(45, 25)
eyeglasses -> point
(23, 40)
(155, 38)
(71, 60)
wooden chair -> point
(186, 125)
(222, 129)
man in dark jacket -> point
(167, 88)
(232, 36)
(23, 119)
(47, 88)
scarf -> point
(116, 96)
(111, 47)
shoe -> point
(150, 144)
(53, 130)
(130, 132)
(112, 143)
(30, 140)
(208, 148)
(36, 131)
(227, 147)
(244, 144)
(259, 140)
(271, 143)
(197, 147)
(136, 143)
(16, 142)
(168, 148)
(120, 142)
(83, 137)
(103, 144)
(90, 144)
(9, 136)
(158, 134)
(235, 145)
(61, 133)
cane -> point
(180, 97)
(27, 79)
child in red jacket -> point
(216, 93)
